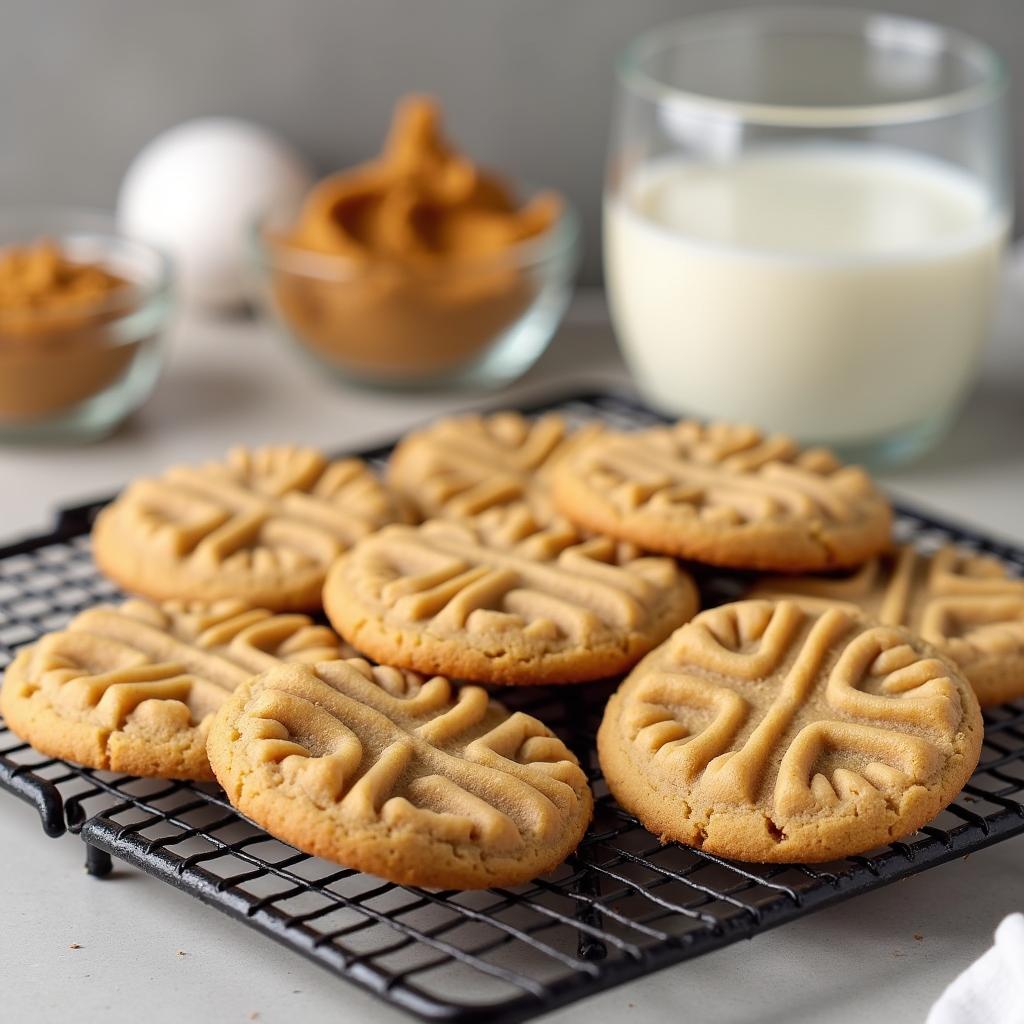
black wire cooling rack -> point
(621, 907)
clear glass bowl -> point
(474, 324)
(75, 377)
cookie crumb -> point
(255, 1015)
(898, 952)
(182, 952)
(918, 937)
(75, 945)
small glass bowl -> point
(475, 324)
(75, 376)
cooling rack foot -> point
(97, 861)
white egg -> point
(196, 190)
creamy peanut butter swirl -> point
(420, 204)
(413, 263)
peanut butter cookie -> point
(966, 605)
(261, 526)
(474, 465)
(726, 495)
(133, 688)
(550, 608)
(773, 732)
(409, 779)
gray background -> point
(527, 83)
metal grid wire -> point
(621, 907)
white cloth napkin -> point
(991, 990)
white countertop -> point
(234, 381)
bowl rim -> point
(560, 239)
(38, 222)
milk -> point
(839, 293)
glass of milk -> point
(804, 218)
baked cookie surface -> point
(768, 731)
(410, 779)
(726, 495)
(965, 604)
(445, 597)
(133, 688)
(261, 526)
(463, 466)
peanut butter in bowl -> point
(419, 263)
(53, 349)
(81, 312)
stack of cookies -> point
(831, 711)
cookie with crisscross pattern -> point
(544, 607)
(966, 604)
(261, 526)
(478, 465)
(408, 778)
(133, 688)
(775, 732)
(724, 494)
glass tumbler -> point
(804, 218)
